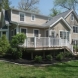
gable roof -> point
(54, 19)
(29, 12)
(57, 17)
(63, 21)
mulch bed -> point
(31, 62)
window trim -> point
(24, 16)
(75, 31)
(24, 28)
(66, 32)
(31, 17)
(38, 32)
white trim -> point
(34, 17)
(68, 13)
(66, 34)
(63, 21)
(38, 32)
(3, 29)
(24, 17)
(26, 30)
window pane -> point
(74, 29)
(47, 33)
(4, 33)
(36, 33)
(33, 17)
(23, 31)
(21, 17)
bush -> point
(4, 45)
(38, 59)
(49, 57)
(15, 42)
(67, 54)
(60, 56)
(18, 39)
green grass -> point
(61, 70)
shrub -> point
(18, 39)
(4, 45)
(38, 59)
(67, 54)
(15, 42)
(49, 57)
(60, 56)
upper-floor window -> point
(72, 17)
(32, 17)
(75, 29)
(21, 16)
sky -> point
(44, 5)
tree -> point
(5, 4)
(67, 4)
(29, 5)
(54, 12)
(4, 45)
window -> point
(47, 33)
(4, 32)
(21, 16)
(32, 17)
(14, 31)
(23, 30)
(64, 35)
(72, 17)
(75, 29)
(36, 33)
(75, 42)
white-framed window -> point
(75, 29)
(75, 41)
(32, 17)
(72, 17)
(64, 35)
(36, 32)
(4, 33)
(23, 30)
(47, 33)
(22, 16)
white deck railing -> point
(34, 42)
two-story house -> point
(41, 31)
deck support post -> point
(32, 55)
(35, 42)
(44, 55)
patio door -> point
(64, 35)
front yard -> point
(61, 70)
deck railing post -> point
(49, 41)
(35, 42)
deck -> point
(46, 43)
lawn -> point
(61, 70)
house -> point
(43, 32)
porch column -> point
(17, 29)
(49, 37)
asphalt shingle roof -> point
(54, 19)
